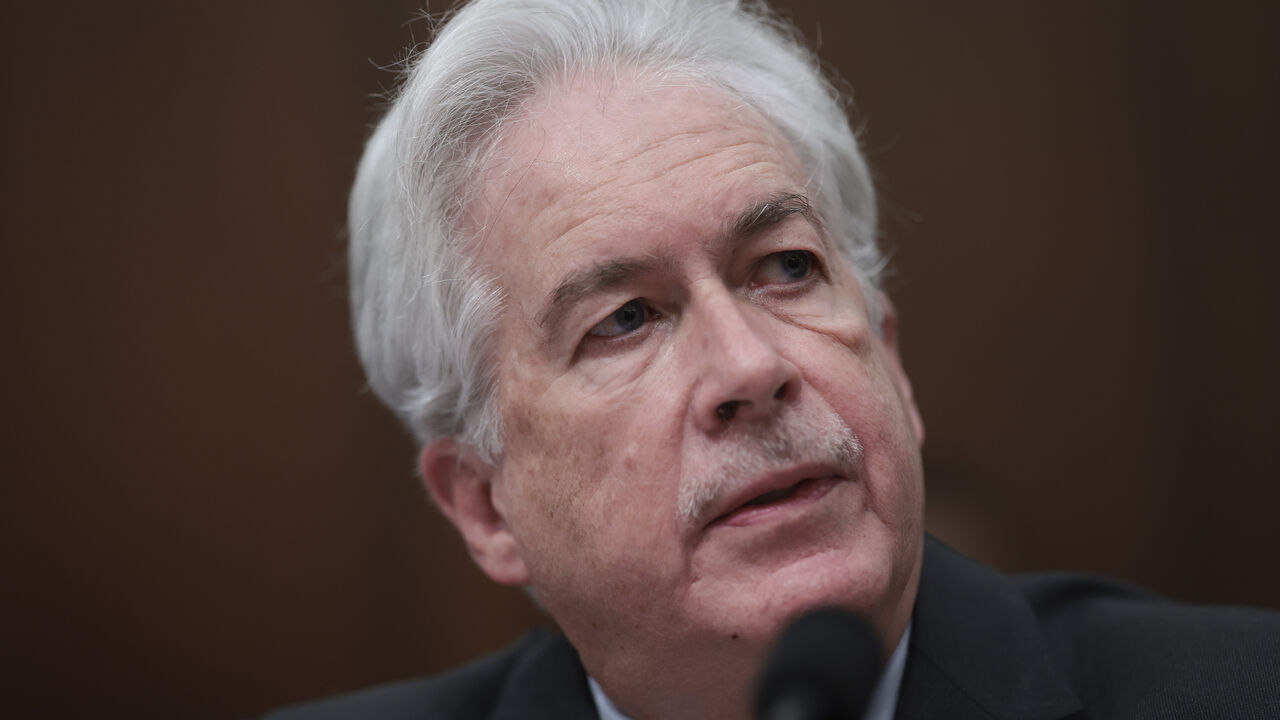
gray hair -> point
(423, 313)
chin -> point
(827, 579)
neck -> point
(713, 686)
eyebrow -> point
(773, 211)
(609, 274)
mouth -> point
(775, 495)
(776, 502)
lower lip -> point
(806, 493)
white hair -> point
(423, 313)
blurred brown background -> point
(205, 515)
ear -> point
(889, 334)
(461, 483)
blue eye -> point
(626, 319)
(787, 267)
(795, 264)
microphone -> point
(823, 667)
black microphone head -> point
(823, 667)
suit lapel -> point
(976, 649)
(546, 683)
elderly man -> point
(614, 262)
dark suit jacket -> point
(983, 646)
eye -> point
(787, 267)
(626, 319)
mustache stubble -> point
(746, 452)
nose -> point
(743, 375)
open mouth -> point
(766, 504)
(775, 495)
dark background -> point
(205, 514)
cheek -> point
(834, 311)
(549, 468)
(861, 387)
(581, 471)
(852, 372)
(894, 469)
(595, 511)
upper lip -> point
(770, 482)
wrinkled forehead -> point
(582, 150)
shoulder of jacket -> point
(1136, 654)
(467, 691)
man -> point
(614, 262)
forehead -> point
(608, 166)
(625, 127)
